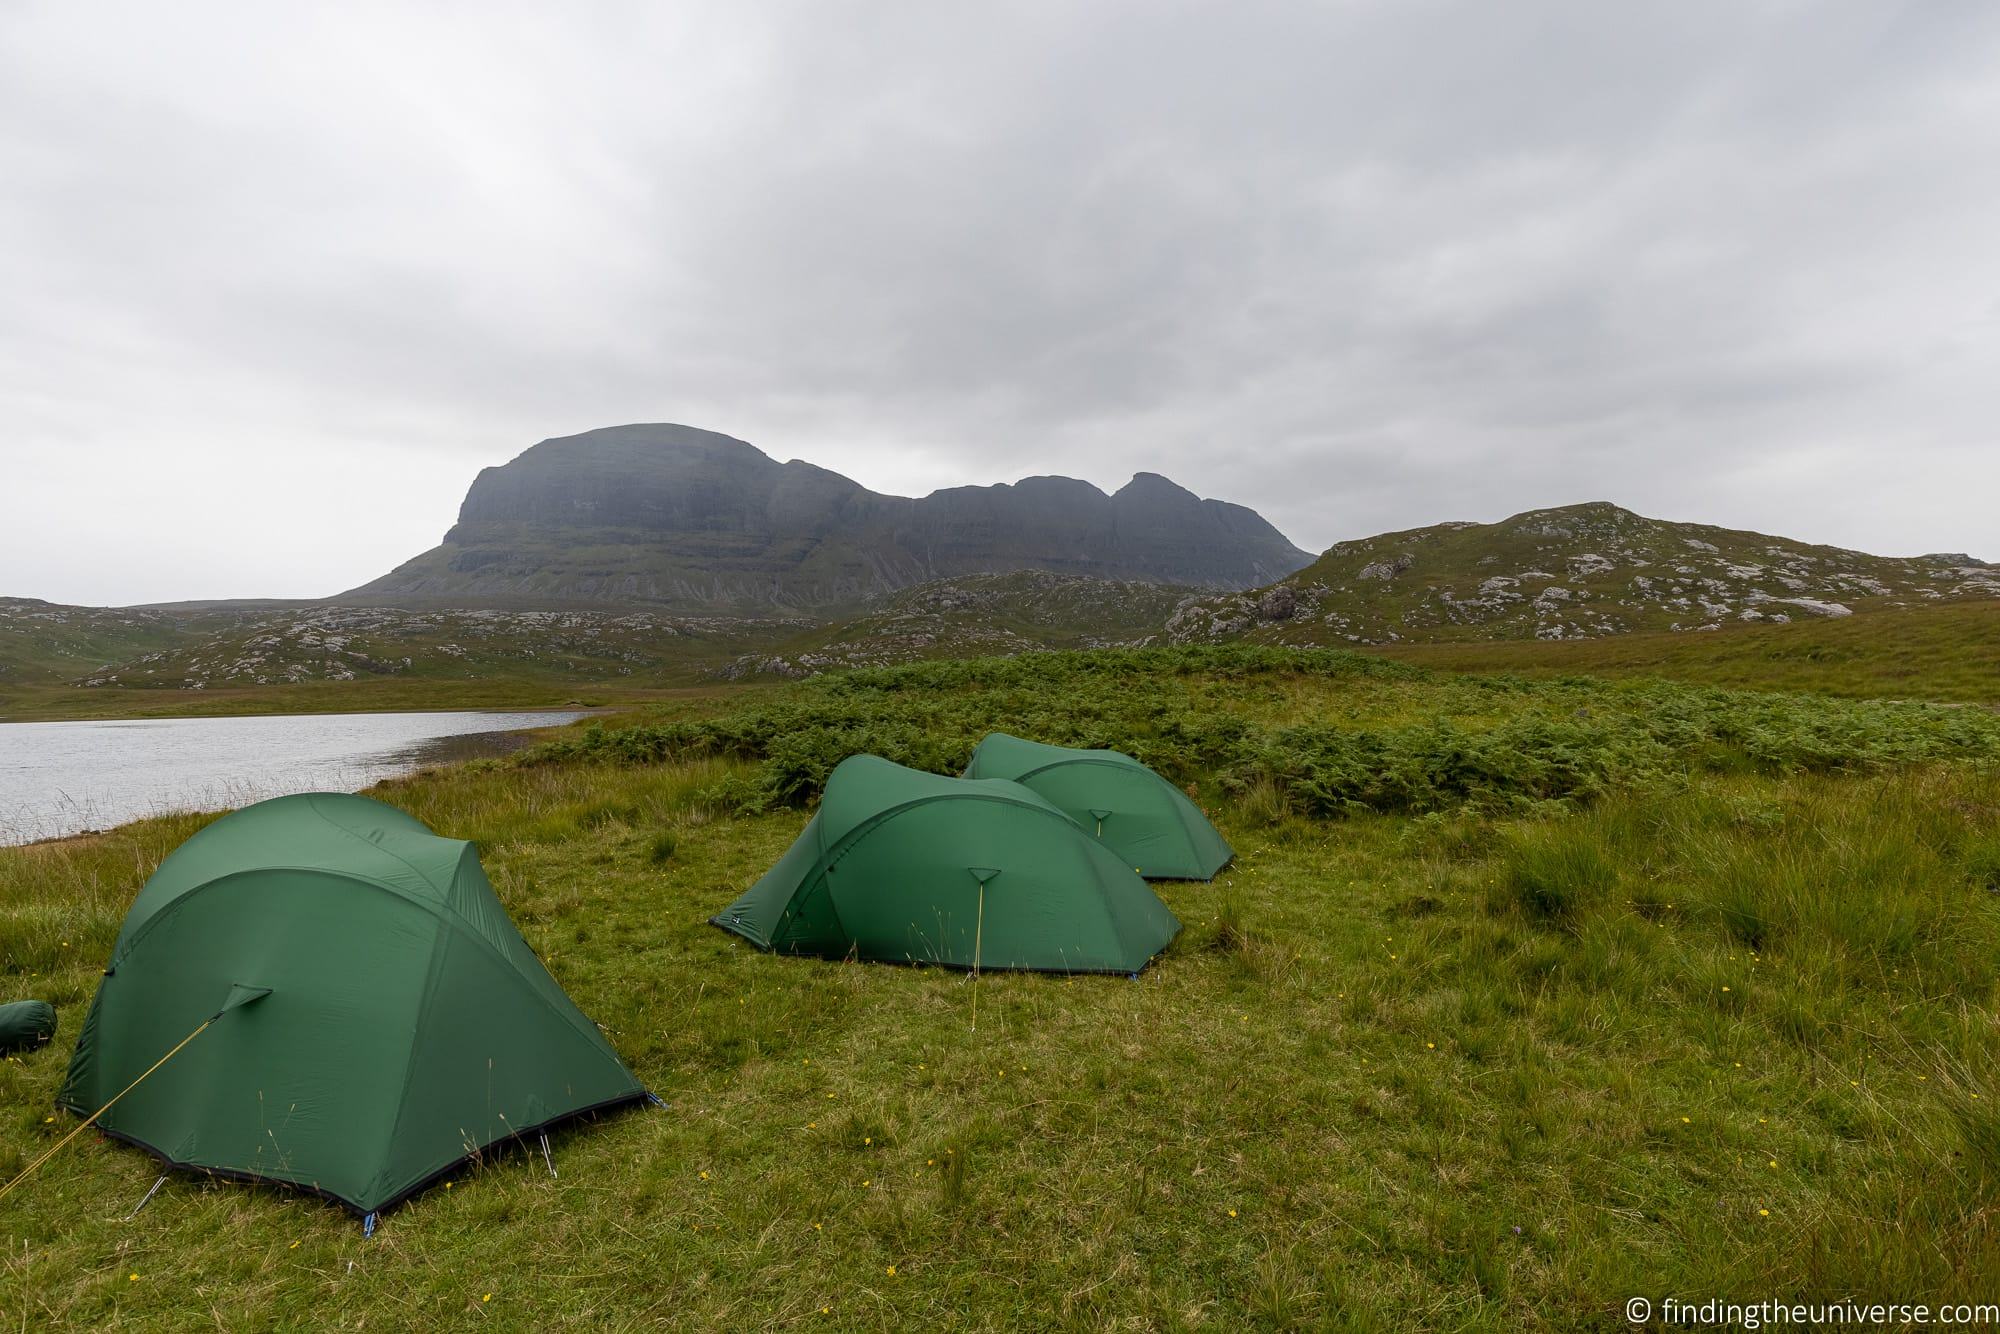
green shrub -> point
(1404, 741)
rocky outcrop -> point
(1576, 572)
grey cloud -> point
(282, 280)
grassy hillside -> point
(1576, 572)
(1520, 999)
(48, 641)
(343, 644)
(1948, 652)
(330, 658)
(321, 659)
(978, 615)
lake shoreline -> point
(56, 704)
(79, 778)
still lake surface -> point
(64, 778)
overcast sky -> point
(276, 280)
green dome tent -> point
(904, 866)
(376, 1016)
(1139, 815)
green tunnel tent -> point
(1139, 815)
(377, 1017)
(903, 866)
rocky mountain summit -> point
(1579, 571)
(673, 516)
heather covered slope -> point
(1576, 572)
(977, 615)
(672, 515)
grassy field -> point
(1947, 652)
(1520, 999)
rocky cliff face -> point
(673, 515)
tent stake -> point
(368, 1226)
(148, 1198)
(545, 1154)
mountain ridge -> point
(1483, 592)
(664, 514)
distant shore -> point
(39, 704)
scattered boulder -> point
(1388, 569)
(1278, 604)
(1816, 607)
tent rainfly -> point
(1139, 815)
(375, 1017)
(904, 866)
